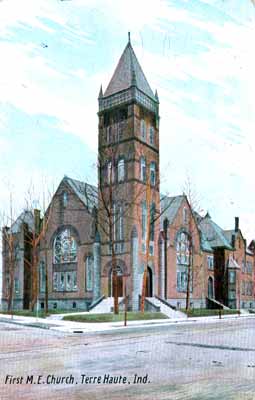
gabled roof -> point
(205, 243)
(86, 193)
(170, 207)
(214, 235)
(229, 233)
(249, 252)
(25, 217)
(128, 73)
(251, 247)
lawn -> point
(131, 316)
(41, 313)
(204, 312)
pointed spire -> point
(156, 95)
(128, 73)
(207, 215)
(133, 82)
(100, 92)
(133, 77)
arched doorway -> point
(119, 283)
(149, 283)
(210, 287)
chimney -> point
(236, 224)
(37, 221)
(233, 241)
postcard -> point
(127, 201)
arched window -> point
(65, 199)
(143, 129)
(210, 288)
(185, 215)
(143, 169)
(89, 273)
(152, 221)
(152, 135)
(183, 249)
(152, 173)
(64, 247)
(183, 268)
(118, 222)
(144, 220)
(121, 170)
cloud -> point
(199, 58)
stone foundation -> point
(181, 303)
(68, 304)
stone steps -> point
(166, 309)
(105, 306)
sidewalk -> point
(78, 327)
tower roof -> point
(129, 73)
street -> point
(201, 361)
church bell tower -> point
(128, 168)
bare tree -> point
(47, 216)
(148, 233)
(116, 200)
(113, 206)
(10, 253)
(35, 239)
(193, 271)
(153, 216)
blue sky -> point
(198, 54)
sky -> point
(198, 54)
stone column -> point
(162, 269)
(135, 272)
(97, 268)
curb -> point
(113, 328)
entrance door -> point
(120, 286)
(210, 287)
(119, 283)
(149, 291)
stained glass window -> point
(65, 247)
(182, 248)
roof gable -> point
(170, 207)
(214, 235)
(26, 217)
(85, 192)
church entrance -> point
(119, 283)
(149, 284)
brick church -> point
(126, 215)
